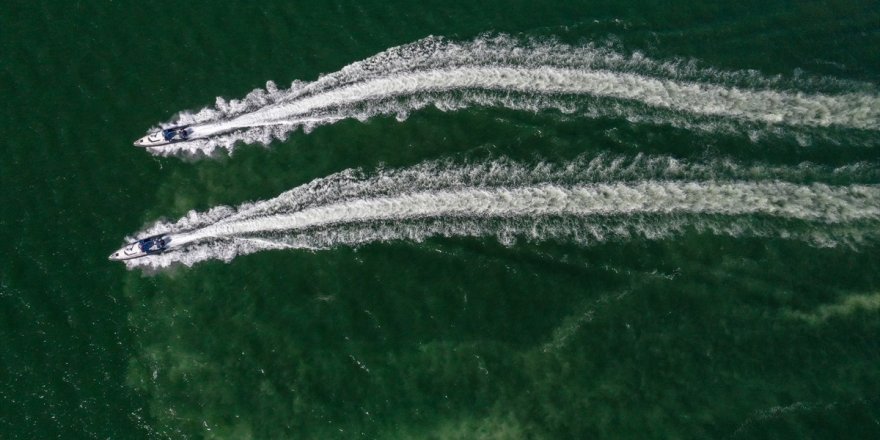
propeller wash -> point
(586, 201)
(503, 71)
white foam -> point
(528, 75)
(763, 106)
(507, 201)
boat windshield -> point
(169, 133)
(152, 244)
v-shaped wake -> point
(574, 202)
(533, 76)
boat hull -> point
(159, 138)
(137, 249)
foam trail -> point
(480, 201)
(504, 72)
(761, 106)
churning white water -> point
(585, 201)
(529, 75)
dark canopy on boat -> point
(170, 133)
(152, 244)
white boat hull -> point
(138, 250)
(159, 138)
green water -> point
(695, 336)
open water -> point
(457, 219)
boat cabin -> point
(153, 245)
(172, 134)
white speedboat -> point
(165, 137)
(147, 246)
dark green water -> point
(694, 336)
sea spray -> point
(532, 75)
(588, 200)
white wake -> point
(535, 203)
(529, 75)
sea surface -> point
(451, 220)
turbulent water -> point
(589, 200)
(531, 75)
